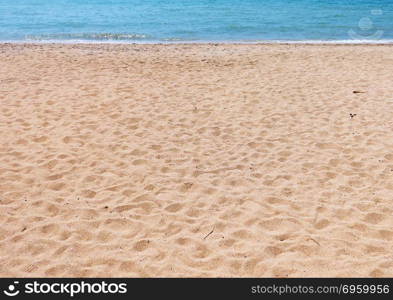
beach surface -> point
(196, 160)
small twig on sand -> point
(209, 233)
(315, 241)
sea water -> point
(196, 20)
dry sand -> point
(196, 160)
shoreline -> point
(267, 42)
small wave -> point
(88, 36)
(174, 40)
(117, 38)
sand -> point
(196, 160)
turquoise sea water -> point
(196, 20)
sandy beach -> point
(196, 160)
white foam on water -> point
(152, 42)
